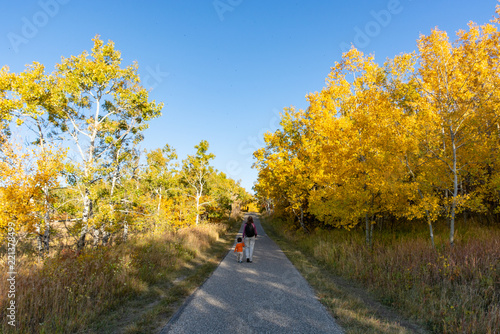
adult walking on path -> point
(267, 296)
(249, 235)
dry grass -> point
(448, 290)
(66, 293)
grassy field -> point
(133, 287)
(402, 285)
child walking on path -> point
(250, 235)
(239, 250)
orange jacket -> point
(239, 247)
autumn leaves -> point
(414, 138)
(84, 166)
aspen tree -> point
(100, 104)
(195, 172)
(459, 84)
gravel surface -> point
(265, 296)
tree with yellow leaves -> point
(459, 85)
(284, 164)
(160, 179)
(195, 173)
(360, 171)
(99, 105)
(416, 137)
(26, 184)
(28, 98)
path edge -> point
(165, 329)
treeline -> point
(82, 169)
(415, 139)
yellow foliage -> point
(414, 138)
(23, 181)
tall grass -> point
(449, 290)
(66, 292)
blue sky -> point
(226, 68)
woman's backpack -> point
(249, 230)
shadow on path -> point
(266, 296)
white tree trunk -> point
(455, 187)
(454, 199)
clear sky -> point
(226, 68)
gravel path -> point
(266, 296)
